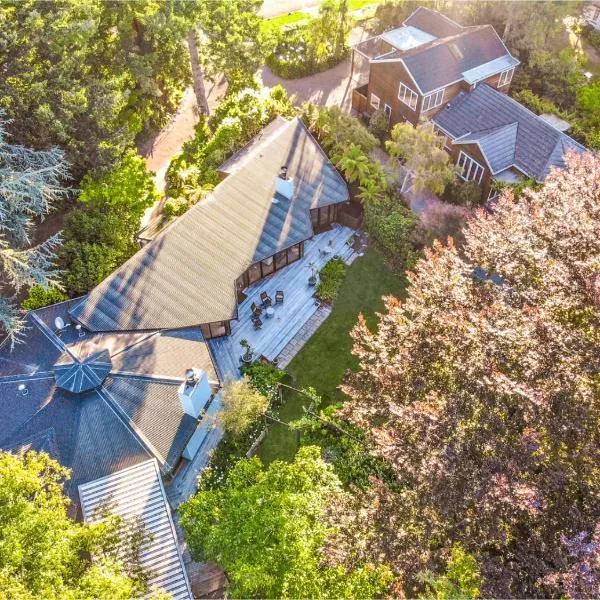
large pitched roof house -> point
(493, 137)
(417, 68)
(125, 374)
(194, 271)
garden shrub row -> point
(330, 280)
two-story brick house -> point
(418, 68)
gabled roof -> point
(432, 22)
(131, 413)
(508, 134)
(137, 494)
(446, 60)
(186, 275)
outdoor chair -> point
(279, 297)
(257, 323)
(265, 300)
(256, 310)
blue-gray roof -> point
(186, 275)
(432, 22)
(131, 414)
(508, 134)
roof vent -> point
(283, 172)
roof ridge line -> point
(27, 377)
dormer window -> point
(406, 95)
(433, 100)
(506, 77)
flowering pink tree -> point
(482, 392)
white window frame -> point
(408, 96)
(506, 77)
(470, 168)
(433, 100)
(387, 111)
(374, 104)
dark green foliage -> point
(101, 234)
(391, 14)
(90, 76)
(314, 46)
(40, 296)
(591, 35)
(235, 121)
(264, 377)
(379, 124)
(464, 193)
(331, 277)
(394, 228)
(343, 445)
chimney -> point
(194, 392)
(283, 184)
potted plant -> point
(314, 272)
(248, 352)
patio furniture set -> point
(266, 306)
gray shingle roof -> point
(186, 275)
(133, 414)
(507, 132)
(432, 22)
(444, 61)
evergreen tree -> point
(30, 183)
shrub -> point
(40, 296)
(536, 103)
(264, 377)
(174, 207)
(330, 280)
(242, 405)
(592, 35)
(463, 193)
(394, 229)
(379, 124)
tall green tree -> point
(30, 183)
(481, 391)
(231, 42)
(421, 151)
(265, 527)
(43, 552)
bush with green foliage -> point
(379, 124)
(266, 528)
(461, 581)
(242, 406)
(40, 296)
(46, 554)
(264, 377)
(237, 118)
(313, 47)
(175, 207)
(100, 235)
(464, 193)
(331, 277)
(394, 229)
(591, 35)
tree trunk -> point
(197, 75)
(508, 26)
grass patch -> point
(284, 20)
(322, 363)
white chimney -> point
(284, 185)
(194, 392)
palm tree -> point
(371, 192)
(354, 163)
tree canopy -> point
(31, 182)
(265, 527)
(481, 392)
(43, 552)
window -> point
(406, 95)
(433, 100)
(387, 109)
(471, 170)
(505, 77)
(374, 101)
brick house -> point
(418, 68)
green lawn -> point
(283, 20)
(321, 364)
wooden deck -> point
(298, 307)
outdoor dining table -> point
(269, 312)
